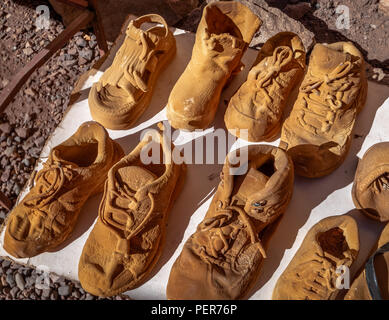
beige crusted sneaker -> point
(371, 183)
(223, 35)
(312, 274)
(75, 170)
(125, 89)
(222, 259)
(259, 103)
(128, 237)
(318, 131)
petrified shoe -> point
(223, 35)
(259, 103)
(372, 283)
(371, 183)
(311, 275)
(318, 130)
(222, 259)
(128, 236)
(75, 170)
(125, 89)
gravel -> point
(30, 119)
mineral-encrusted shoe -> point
(259, 103)
(371, 183)
(75, 170)
(319, 129)
(312, 274)
(128, 236)
(372, 282)
(223, 35)
(125, 89)
(222, 259)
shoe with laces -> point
(312, 274)
(223, 35)
(372, 281)
(75, 170)
(318, 131)
(222, 259)
(259, 103)
(125, 89)
(371, 183)
(128, 237)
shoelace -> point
(333, 91)
(122, 192)
(314, 289)
(224, 217)
(381, 183)
(138, 60)
(282, 56)
(61, 174)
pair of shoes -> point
(317, 133)
(334, 243)
(127, 238)
(125, 89)
(222, 259)
(222, 37)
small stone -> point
(29, 92)
(30, 281)
(82, 61)
(76, 294)
(34, 152)
(54, 295)
(64, 290)
(89, 297)
(87, 54)
(5, 82)
(72, 51)
(6, 263)
(11, 280)
(22, 132)
(4, 282)
(20, 281)
(10, 151)
(28, 51)
(5, 127)
(92, 44)
(39, 142)
(46, 293)
(14, 291)
(16, 189)
(70, 63)
(81, 42)
(26, 162)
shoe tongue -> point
(252, 182)
(325, 59)
(135, 177)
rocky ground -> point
(39, 106)
(29, 120)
